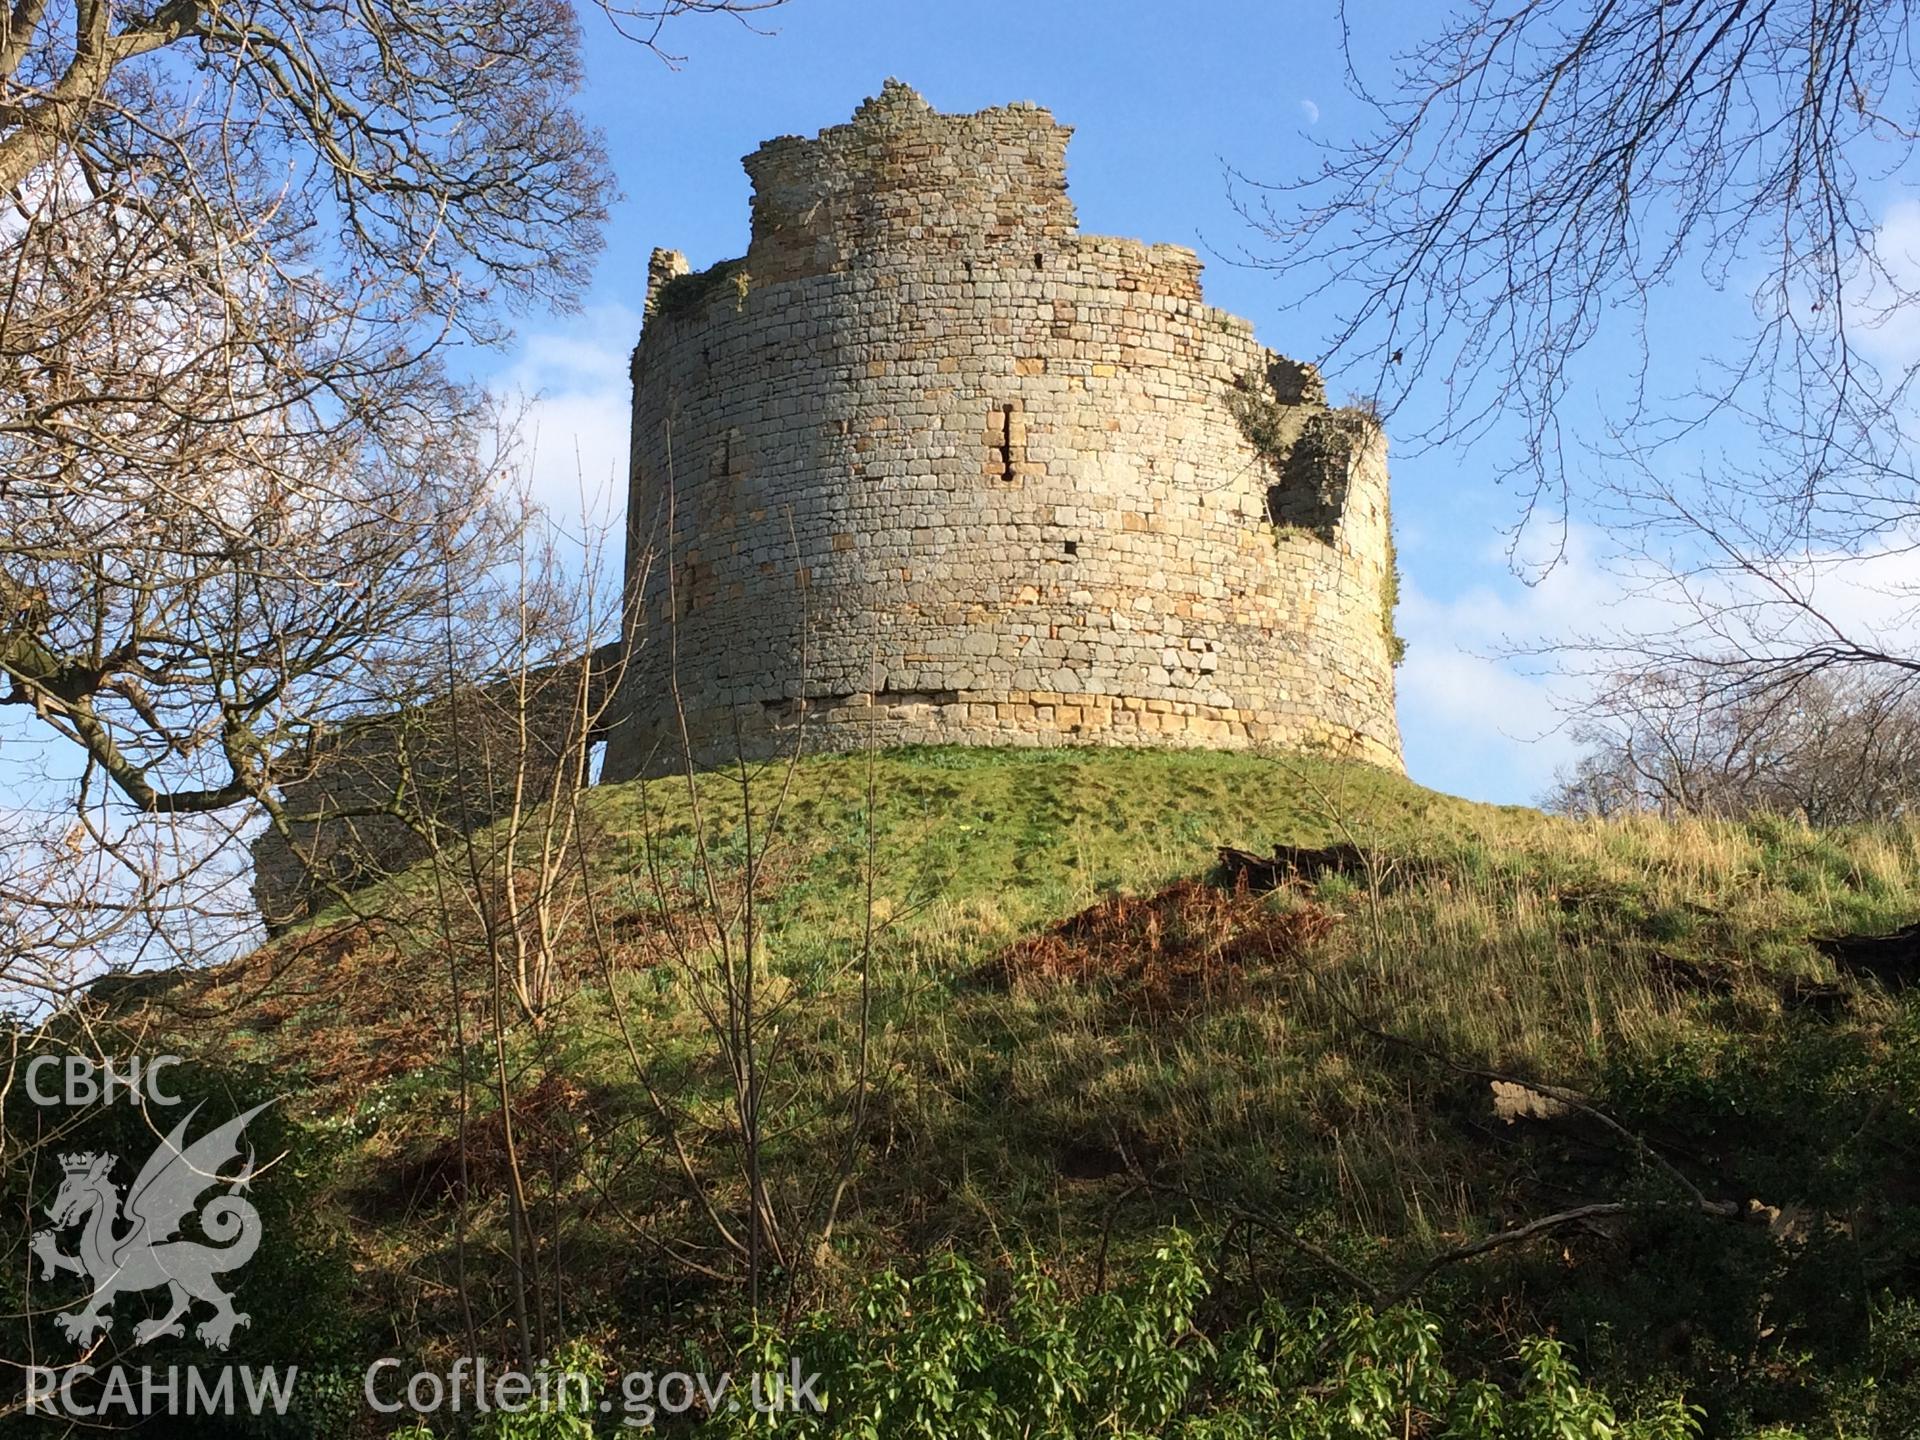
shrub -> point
(926, 1358)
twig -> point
(1273, 1227)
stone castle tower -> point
(929, 462)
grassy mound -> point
(1362, 1086)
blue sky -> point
(1163, 98)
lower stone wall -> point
(365, 802)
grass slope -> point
(1311, 1105)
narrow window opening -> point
(1006, 444)
(1073, 547)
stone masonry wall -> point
(927, 465)
(362, 802)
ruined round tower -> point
(929, 465)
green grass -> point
(1015, 1120)
(975, 846)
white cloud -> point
(1475, 721)
(1885, 327)
(572, 383)
(1484, 706)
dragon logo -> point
(146, 1254)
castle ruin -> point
(929, 465)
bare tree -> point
(236, 477)
(1538, 163)
(768, 1167)
(490, 779)
(1543, 174)
(1701, 740)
